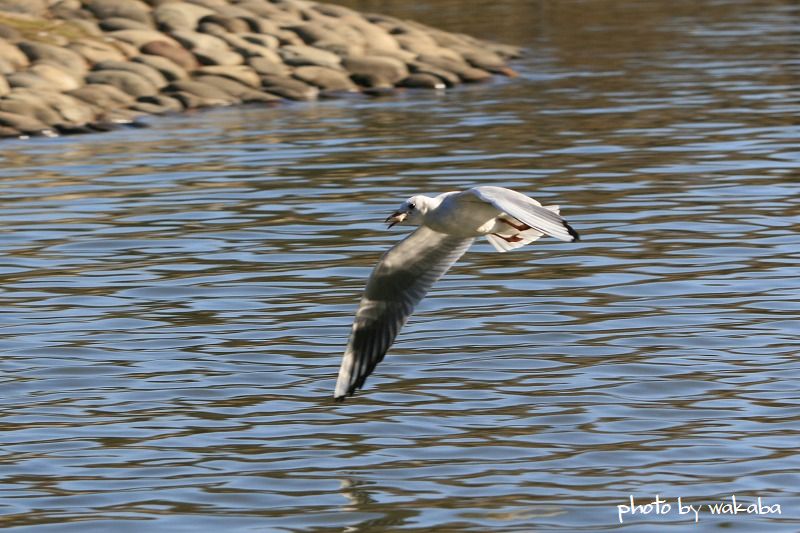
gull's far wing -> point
(527, 210)
(400, 280)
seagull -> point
(448, 225)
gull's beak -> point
(396, 218)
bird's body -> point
(448, 225)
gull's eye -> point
(412, 206)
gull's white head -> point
(412, 211)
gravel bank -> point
(78, 66)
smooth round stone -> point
(61, 56)
(268, 66)
(30, 105)
(207, 93)
(326, 79)
(311, 32)
(299, 55)
(140, 38)
(482, 59)
(119, 23)
(127, 9)
(102, 96)
(180, 56)
(218, 57)
(230, 24)
(450, 79)
(238, 90)
(72, 110)
(145, 71)
(28, 80)
(24, 124)
(387, 68)
(13, 55)
(9, 34)
(422, 81)
(58, 78)
(240, 73)
(5, 88)
(7, 132)
(124, 80)
(94, 51)
(173, 105)
(168, 68)
(179, 16)
(289, 88)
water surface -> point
(176, 299)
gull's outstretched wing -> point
(400, 280)
(527, 210)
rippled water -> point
(176, 299)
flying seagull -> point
(448, 225)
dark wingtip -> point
(572, 232)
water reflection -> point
(177, 298)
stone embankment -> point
(74, 66)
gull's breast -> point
(461, 216)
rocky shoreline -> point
(79, 66)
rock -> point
(168, 69)
(27, 80)
(268, 66)
(30, 105)
(65, 57)
(331, 10)
(128, 9)
(29, 7)
(230, 24)
(289, 88)
(483, 59)
(151, 108)
(181, 57)
(311, 32)
(118, 23)
(299, 55)
(13, 55)
(24, 124)
(474, 75)
(192, 101)
(267, 41)
(145, 71)
(450, 79)
(193, 40)
(326, 79)
(173, 105)
(376, 38)
(102, 96)
(239, 73)
(9, 34)
(208, 95)
(238, 90)
(57, 78)
(140, 38)
(461, 68)
(387, 68)
(218, 57)
(247, 48)
(124, 80)
(6, 67)
(179, 16)
(5, 88)
(72, 110)
(377, 83)
(7, 132)
(94, 51)
(422, 81)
